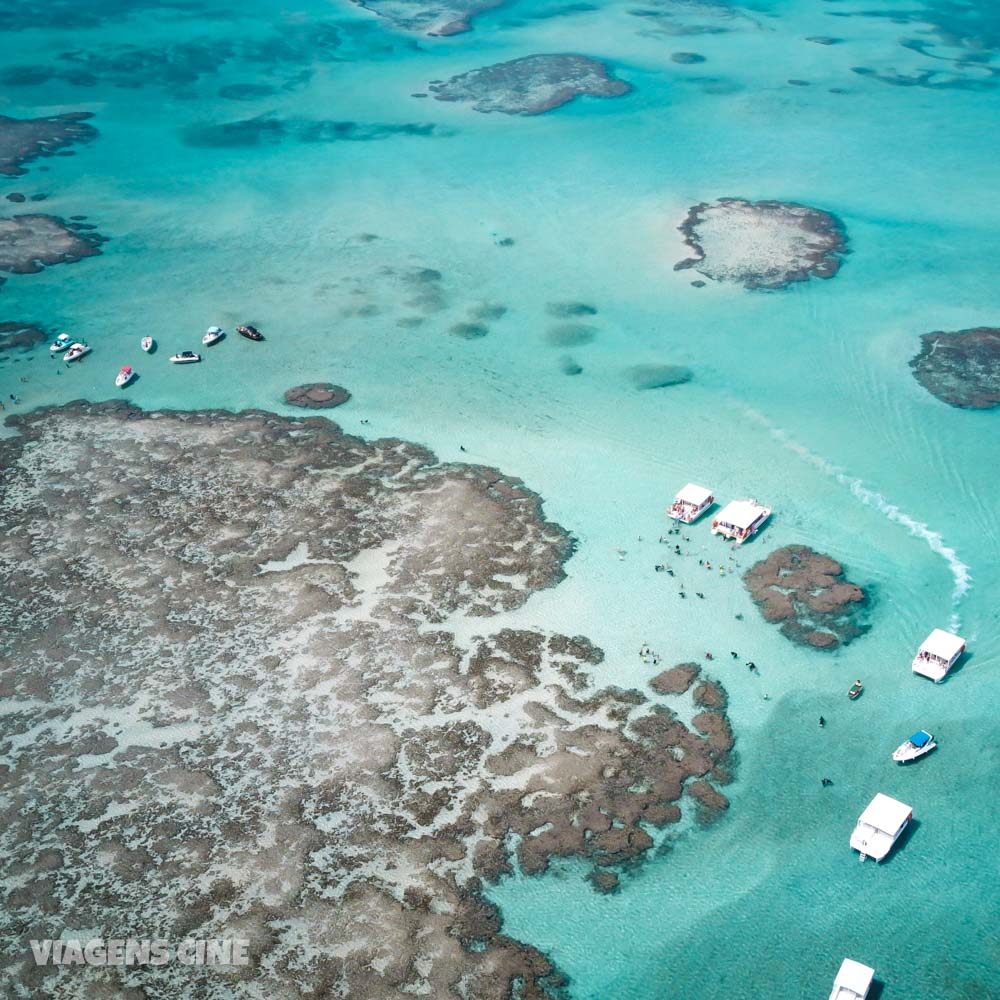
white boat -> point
(76, 351)
(740, 520)
(853, 981)
(879, 826)
(690, 503)
(125, 375)
(937, 654)
(917, 745)
(148, 344)
(60, 343)
(185, 358)
(213, 335)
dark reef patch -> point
(961, 368)
(530, 85)
(676, 680)
(29, 243)
(570, 334)
(658, 376)
(25, 139)
(246, 91)
(807, 593)
(570, 310)
(687, 58)
(569, 365)
(468, 331)
(265, 130)
(317, 395)
(20, 335)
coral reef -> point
(658, 376)
(238, 700)
(530, 85)
(22, 335)
(317, 396)
(25, 139)
(441, 17)
(264, 130)
(806, 593)
(761, 244)
(961, 368)
(30, 242)
(675, 680)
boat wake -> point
(960, 572)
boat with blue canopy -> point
(920, 743)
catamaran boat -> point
(740, 520)
(76, 351)
(853, 981)
(185, 358)
(213, 335)
(60, 343)
(917, 745)
(125, 375)
(879, 827)
(250, 332)
(148, 344)
(690, 503)
(938, 653)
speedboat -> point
(880, 826)
(690, 503)
(185, 358)
(76, 351)
(213, 335)
(148, 344)
(853, 981)
(125, 375)
(60, 343)
(250, 332)
(740, 520)
(917, 745)
(856, 688)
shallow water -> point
(801, 397)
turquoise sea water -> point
(802, 397)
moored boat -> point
(185, 358)
(880, 826)
(856, 688)
(920, 743)
(76, 351)
(148, 344)
(250, 332)
(937, 654)
(60, 343)
(740, 520)
(125, 375)
(213, 335)
(690, 503)
(853, 981)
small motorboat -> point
(185, 358)
(250, 332)
(125, 375)
(76, 351)
(60, 343)
(920, 743)
(213, 335)
(148, 344)
(856, 688)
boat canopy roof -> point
(693, 494)
(854, 976)
(943, 645)
(740, 513)
(920, 739)
(885, 813)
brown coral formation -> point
(25, 139)
(675, 680)
(317, 396)
(30, 242)
(962, 369)
(239, 702)
(530, 85)
(807, 593)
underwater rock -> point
(604, 881)
(468, 331)
(676, 680)
(30, 242)
(570, 310)
(658, 376)
(961, 368)
(530, 85)
(762, 244)
(686, 58)
(22, 335)
(443, 17)
(262, 130)
(807, 593)
(247, 644)
(569, 366)
(570, 334)
(25, 139)
(317, 396)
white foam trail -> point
(872, 498)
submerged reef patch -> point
(530, 85)
(25, 139)
(762, 244)
(239, 702)
(317, 396)
(265, 130)
(658, 376)
(807, 593)
(30, 242)
(439, 17)
(20, 335)
(961, 368)
(570, 334)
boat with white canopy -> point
(853, 981)
(880, 826)
(690, 503)
(740, 520)
(937, 654)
